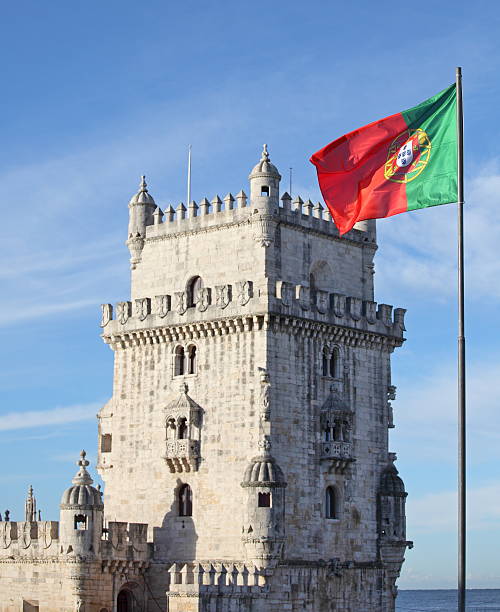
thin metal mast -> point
(462, 498)
(290, 192)
(189, 177)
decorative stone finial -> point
(30, 506)
(265, 153)
(82, 477)
(143, 186)
(183, 388)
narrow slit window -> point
(331, 503)
(324, 361)
(334, 363)
(192, 360)
(179, 361)
(183, 429)
(185, 501)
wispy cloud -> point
(43, 418)
(426, 411)
(436, 512)
(419, 253)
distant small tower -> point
(264, 183)
(141, 210)
(81, 514)
(30, 506)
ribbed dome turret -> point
(263, 471)
(265, 167)
(82, 493)
(142, 196)
(390, 482)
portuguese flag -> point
(400, 163)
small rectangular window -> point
(264, 190)
(80, 522)
(106, 441)
(264, 500)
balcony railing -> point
(336, 450)
(182, 455)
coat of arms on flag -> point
(407, 156)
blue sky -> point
(95, 94)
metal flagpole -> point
(189, 177)
(461, 355)
(290, 181)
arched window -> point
(327, 432)
(185, 501)
(193, 288)
(331, 503)
(324, 362)
(179, 361)
(124, 601)
(171, 428)
(183, 429)
(264, 500)
(191, 359)
(334, 364)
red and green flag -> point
(403, 162)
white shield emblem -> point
(405, 154)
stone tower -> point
(249, 420)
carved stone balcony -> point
(338, 453)
(182, 455)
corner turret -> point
(81, 514)
(264, 523)
(264, 183)
(141, 214)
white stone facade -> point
(248, 426)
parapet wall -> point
(230, 209)
(40, 539)
(239, 300)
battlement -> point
(125, 541)
(238, 298)
(39, 539)
(29, 538)
(238, 209)
(216, 576)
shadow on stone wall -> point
(176, 538)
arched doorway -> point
(124, 601)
